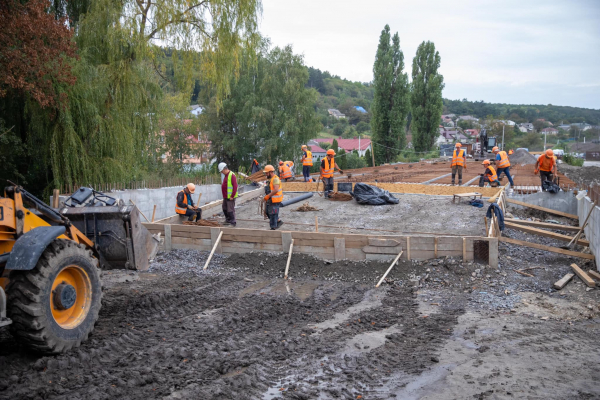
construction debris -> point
(584, 277)
(202, 222)
(336, 196)
(306, 207)
(563, 281)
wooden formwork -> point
(412, 188)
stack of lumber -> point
(258, 176)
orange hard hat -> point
(304, 146)
(191, 187)
(330, 151)
(495, 148)
(485, 162)
(458, 145)
(280, 162)
(269, 168)
(549, 153)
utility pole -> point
(502, 137)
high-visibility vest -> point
(285, 171)
(493, 176)
(308, 161)
(458, 158)
(328, 171)
(546, 163)
(510, 152)
(230, 186)
(504, 161)
(277, 197)
(178, 209)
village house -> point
(336, 113)
(349, 145)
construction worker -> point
(327, 168)
(511, 152)
(546, 166)
(285, 172)
(185, 205)
(503, 164)
(489, 175)
(273, 197)
(459, 161)
(229, 190)
(307, 162)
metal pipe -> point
(296, 199)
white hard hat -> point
(222, 166)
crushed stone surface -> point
(582, 175)
(522, 157)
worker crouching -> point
(489, 176)
(459, 162)
(185, 205)
(285, 171)
(546, 166)
(273, 197)
(327, 168)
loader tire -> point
(55, 305)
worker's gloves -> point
(266, 198)
(536, 171)
(341, 172)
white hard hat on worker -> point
(222, 166)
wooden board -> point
(548, 210)
(382, 250)
(547, 248)
(563, 281)
(468, 194)
(584, 277)
(383, 242)
(547, 225)
(541, 232)
(594, 274)
(339, 246)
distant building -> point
(360, 109)
(467, 118)
(473, 133)
(550, 131)
(317, 152)
(336, 113)
(196, 110)
(349, 145)
(528, 126)
(581, 126)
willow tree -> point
(426, 96)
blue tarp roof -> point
(362, 110)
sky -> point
(498, 51)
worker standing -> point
(185, 205)
(307, 162)
(489, 175)
(503, 164)
(459, 161)
(327, 168)
(285, 172)
(229, 190)
(273, 197)
(546, 166)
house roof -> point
(348, 144)
(360, 109)
(317, 149)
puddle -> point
(365, 342)
(371, 299)
(253, 288)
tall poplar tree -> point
(426, 96)
(390, 103)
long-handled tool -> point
(320, 194)
(573, 241)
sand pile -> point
(522, 157)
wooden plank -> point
(547, 248)
(318, 251)
(215, 236)
(252, 232)
(547, 225)
(435, 248)
(379, 257)
(408, 248)
(190, 228)
(541, 232)
(464, 249)
(248, 247)
(168, 244)
(160, 227)
(383, 242)
(339, 246)
(563, 281)
(584, 277)
(195, 235)
(251, 239)
(548, 210)
(593, 274)
(286, 240)
(191, 241)
(355, 254)
(382, 250)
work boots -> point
(459, 182)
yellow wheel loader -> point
(50, 288)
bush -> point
(339, 129)
(362, 126)
(354, 161)
(572, 160)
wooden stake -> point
(213, 249)
(55, 194)
(316, 223)
(153, 213)
(486, 227)
(139, 210)
(389, 269)
(287, 265)
(464, 249)
(523, 273)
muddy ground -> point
(586, 175)
(440, 329)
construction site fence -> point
(144, 184)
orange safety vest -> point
(510, 152)
(284, 171)
(458, 159)
(504, 161)
(328, 171)
(307, 161)
(545, 163)
(494, 176)
(178, 209)
(278, 196)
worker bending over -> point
(327, 168)
(185, 205)
(229, 190)
(546, 166)
(503, 164)
(285, 172)
(273, 197)
(459, 161)
(489, 175)
(307, 162)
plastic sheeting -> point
(371, 195)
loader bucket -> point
(118, 235)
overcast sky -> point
(500, 51)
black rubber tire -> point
(28, 295)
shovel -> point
(573, 241)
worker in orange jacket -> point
(273, 197)
(307, 162)
(327, 168)
(503, 164)
(285, 172)
(489, 176)
(546, 166)
(459, 162)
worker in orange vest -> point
(327, 168)
(185, 205)
(489, 175)
(307, 162)
(511, 152)
(546, 166)
(459, 161)
(285, 172)
(503, 164)
(273, 197)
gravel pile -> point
(522, 157)
(184, 261)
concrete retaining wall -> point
(561, 201)
(592, 231)
(164, 198)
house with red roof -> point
(349, 145)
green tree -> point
(390, 100)
(362, 127)
(334, 145)
(341, 159)
(426, 97)
(368, 157)
(338, 129)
